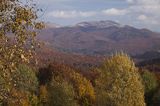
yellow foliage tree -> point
(119, 83)
(18, 26)
(83, 88)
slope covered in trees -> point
(116, 82)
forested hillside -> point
(33, 73)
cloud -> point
(130, 1)
(141, 13)
(147, 20)
(115, 12)
(144, 12)
(70, 14)
(149, 9)
(83, 14)
(142, 18)
(146, 6)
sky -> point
(137, 13)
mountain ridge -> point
(93, 38)
(99, 24)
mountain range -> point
(100, 38)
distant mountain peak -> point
(101, 38)
(99, 24)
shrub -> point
(150, 84)
(25, 79)
(61, 94)
(25, 83)
(149, 80)
(20, 98)
(119, 83)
